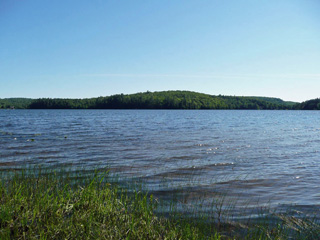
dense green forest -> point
(160, 100)
(313, 104)
(153, 100)
(19, 103)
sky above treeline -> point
(82, 49)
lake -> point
(255, 157)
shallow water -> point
(256, 157)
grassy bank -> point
(37, 204)
(60, 205)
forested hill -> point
(164, 100)
(313, 104)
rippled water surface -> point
(264, 156)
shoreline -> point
(89, 204)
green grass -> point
(62, 204)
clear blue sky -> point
(80, 49)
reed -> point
(45, 204)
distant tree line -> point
(313, 104)
(19, 103)
(163, 100)
(160, 100)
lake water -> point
(256, 157)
